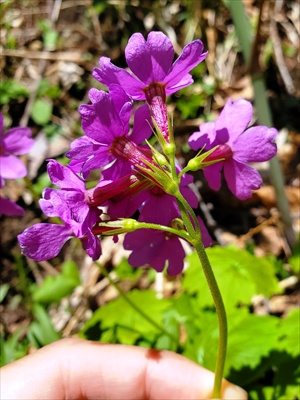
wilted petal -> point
(241, 179)
(43, 241)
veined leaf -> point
(131, 325)
(55, 288)
(239, 274)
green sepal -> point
(198, 162)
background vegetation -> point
(49, 49)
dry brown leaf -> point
(267, 196)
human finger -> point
(80, 369)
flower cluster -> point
(136, 179)
(15, 142)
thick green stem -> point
(188, 215)
(134, 306)
(214, 289)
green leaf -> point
(289, 333)
(54, 288)
(125, 271)
(41, 111)
(50, 39)
(203, 348)
(239, 274)
(11, 349)
(251, 339)
(126, 335)
(10, 89)
(3, 291)
(294, 260)
(171, 324)
(41, 331)
(118, 313)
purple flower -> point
(10, 208)
(152, 63)
(237, 146)
(14, 142)
(158, 249)
(109, 140)
(160, 207)
(44, 241)
(70, 202)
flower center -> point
(157, 191)
(126, 150)
(224, 152)
(155, 89)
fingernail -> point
(234, 393)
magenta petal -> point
(105, 124)
(162, 55)
(109, 73)
(142, 127)
(119, 97)
(204, 137)
(100, 160)
(10, 208)
(11, 167)
(43, 241)
(212, 174)
(190, 196)
(64, 177)
(138, 57)
(233, 119)
(206, 238)
(145, 245)
(1, 123)
(241, 179)
(117, 169)
(82, 148)
(91, 245)
(173, 253)
(256, 144)
(50, 203)
(191, 56)
(159, 209)
(17, 141)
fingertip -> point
(233, 392)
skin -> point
(79, 369)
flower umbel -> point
(237, 147)
(152, 63)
